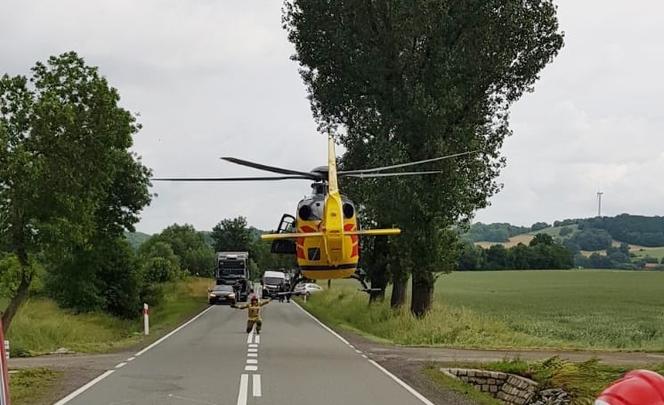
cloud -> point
(213, 79)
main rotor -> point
(320, 175)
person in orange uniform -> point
(254, 313)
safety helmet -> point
(638, 387)
(254, 298)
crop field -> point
(588, 309)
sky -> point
(214, 78)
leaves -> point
(408, 80)
(68, 183)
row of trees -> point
(496, 232)
(70, 189)
(542, 253)
(401, 81)
(180, 250)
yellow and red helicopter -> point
(324, 234)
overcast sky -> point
(213, 78)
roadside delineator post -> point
(4, 376)
(7, 350)
(146, 319)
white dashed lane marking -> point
(244, 387)
(250, 368)
(256, 386)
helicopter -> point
(324, 233)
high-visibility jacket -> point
(254, 311)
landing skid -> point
(359, 275)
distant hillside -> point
(624, 240)
(136, 239)
(632, 229)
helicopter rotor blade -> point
(212, 179)
(419, 162)
(373, 175)
(272, 169)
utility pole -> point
(599, 203)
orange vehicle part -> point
(638, 387)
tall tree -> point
(232, 234)
(64, 164)
(410, 80)
(196, 257)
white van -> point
(272, 282)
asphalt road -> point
(212, 361)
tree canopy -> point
(411, 80)
(67, 177)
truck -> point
(273, 282)
(232, 269)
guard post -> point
(146, 319)
(4, 375)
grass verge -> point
(451, 384)
(577, 310)
(584, 381)
(27, 386)
(41, 326)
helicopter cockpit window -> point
(310, 210)
(349, 210)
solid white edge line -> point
(121, 365)
(250, 337)
(244, 388)
(256, 386)
(174, 331)
(403, 384)
(327, 328)
(378, 366)
(257, 339)
(83, 388)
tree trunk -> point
(21, 292)
(399, 286)
(329, 284)
(422, 293)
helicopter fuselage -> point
(336, 252)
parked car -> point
(221, 294)
(307, 288)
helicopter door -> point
(284, 246)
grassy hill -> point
(643, 235)
(136, 239)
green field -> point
(41, 326)
(589, 309)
